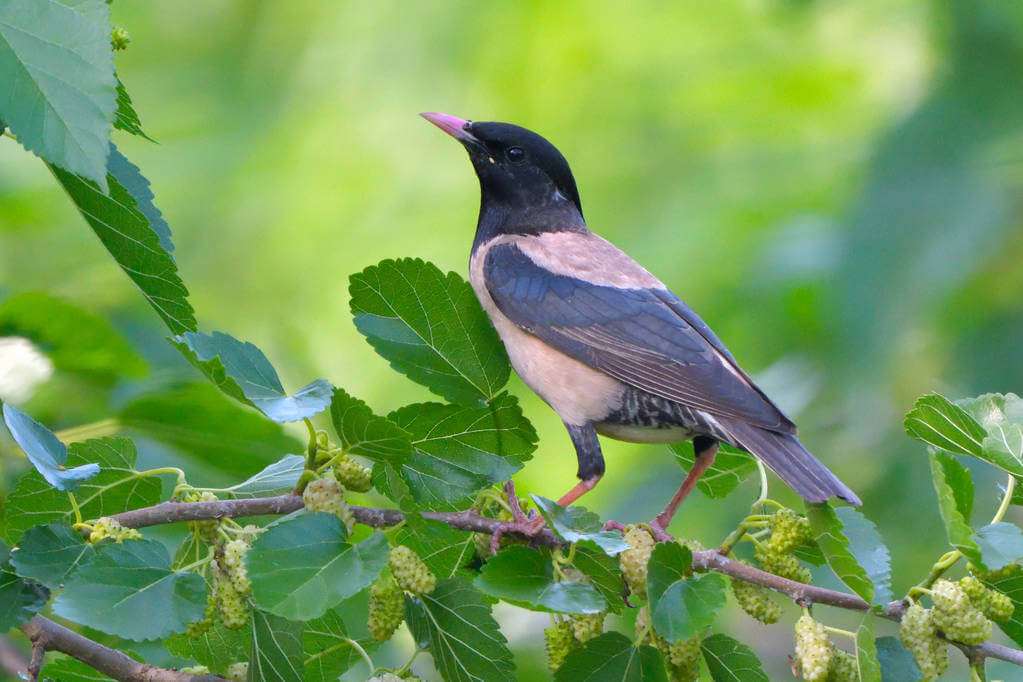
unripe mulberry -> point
(386, 609)
(633, 561)
(559, 641)
(973, 588)
(788, 530)
(784, 565)
(325, 495)
(201, 627)
(586, 626)
(918, 634)
(956, 616)
(238, 672)
(234, 564)
(813, 649)
(682, 657)
(119, 38)
(756, 601)
(234, 612)
(106, 527)
(997, 606)
(409, 571)
(385, 677)
(844, 667)
(207, 528)
(353, 476)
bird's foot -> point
(658, 531)
(614, 525)
(528, 525)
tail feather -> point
(793, 463)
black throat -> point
(498, 218)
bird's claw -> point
(528, 527)
(660, 535)
(614, 525)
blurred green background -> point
(834, 186)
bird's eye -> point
(515, 154)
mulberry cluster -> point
(234, 609)
(119, 38)
(586, 626)
(559, 640)
(207, 528)
(352, 475)
(756, 601)
(201, 627)
(813, 649)
(633, 561)
(781, 564)
(789, 530)
(106, 527)
(234, 565)
(956, 615)
(386, 609)
(843, 667)
(325, 495)
(919, 635)
(238, 672)
(682, 658)
(409, 571)
(991, 602)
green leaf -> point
(577, 524)
(610, 657)
(197, 420)
(363, 433)
(121, 223)
(462, 635)
(867, 665)
(442, 548)
(241, 370)
(46, 453)
(1000, 544)
(217, 648)
(118, 487)
(59, 86)
(119, 582)
(328, 649)
(70, 670)
(276, 652)
(955, 502)
(730, 660)
(525, 577)
(275, 479)
(1001, 416)
(1010, 582)
(125, 117)
(730, 468)
(460, 450)
(48, 553)
(681, 607)
(20, 599)
(431, 328)
(603, 572)
(854, 550)
(897, 664)
(941, 424)
(75, 339)
(304, 566)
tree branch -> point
(46, 635)
(709, 560)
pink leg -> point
(700, 465)
(531, 526)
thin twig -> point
(46, 635)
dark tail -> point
(793, 463)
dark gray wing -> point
(647, 338)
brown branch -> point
(46, 635)
(12, 661)
(709, 560)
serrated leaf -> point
(578, 524)
(730, 468)
(464, 639)
(70, 670)
(1001, 417)
(118, 487)
(897, 663)
(45, 451)
(1000, 543)
(431, 328)
(604, 573)
(525, 577)
(48, 553)
(20, 599)
(854, 550)
(275, 479)
(241, 371)
(611, 657)
(125, 117)
(361, 432)
(954, 486)
(681, 606)
(301, 568)
(217, 648)
(461, 450)
(119, 582)
(868, 667)
(1009, 581)
(276, 651)
(328, 649)
(75, 339)
(730, 660)
(941, 424)
(121, 223)
(444, 550)
(58, 71)
(198, 420)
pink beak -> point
(457, 128)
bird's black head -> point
(518, 170)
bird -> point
(608, 346)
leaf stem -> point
(97, 429)
(763, 484)
(840, 631)
(74, 506)
(1010, 485)
(310, 455)
(362, 652)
